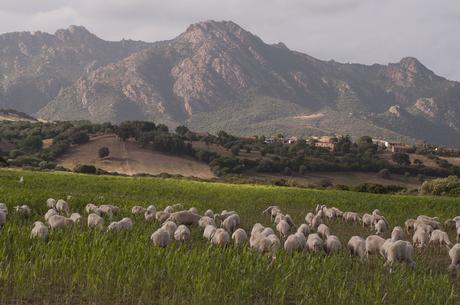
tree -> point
(182, 130)
(103, 152)
(401, 159)
(31, 143)
(235, 150)
(79, 137)
(418, 163)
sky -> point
(357, 31)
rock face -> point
(217, 75)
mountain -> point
(217, 75)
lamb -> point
(109, 208)
(304, 229)
(314, 243)
(220, 237)
(209, 231)
(161, 238)
(454, 254)
(309, 218)
(421, 238)
(332, 245)
(171, 227)
(185, 218)
(205, 221)
(293, 243)
(50, 213)
(398, 251)
(182, 233)
(357, 246)
(316, 221)
(39, 230)
(323, 231)
(138, 210)
(381, 227)
(76, 218)
(125, 224)
(231, 223)
(374, 244)
(95, 221)
(267, 232)
(150, 215)
(397, 234)
(209, 213)
(409, 225)
(59, 222)
(193, 210)
(239, 236)
(440, 238)
(62, 207)
(51, 203)
(368, 220)
(91, 208)
(24, 211)
(283, 228)
(161, 216)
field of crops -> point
(79, 266)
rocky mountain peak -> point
(75, 33)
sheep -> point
(397, 234)
(125, 224)
(137, 210)
(381, 227)
(182, 233)
(267, 232)
(368, 220)
(257, 228)
(316, 221)
(4, 208)
(440, 238)
(169, 209)
(272, 211)
(332, 245)
(374, 244)
(209, 213)
(104, 210)
(357, 246)
(224, 215)
(398, 251)
(454, 254)
(458, 235)
(206, 220)
(450, 224)
(171, 227)
(351, 217)
(431, 221)
(283, 228)
(423, 226)
(376, 212)
(289, 220)
(409, 225)
(314, 243)
(278, 218)
(59, 222)
(209, 231)
(23, 211)
(267, 244)
(185, 218)
(76, 218)
(161, 238)
(150, 215)
(39, 230)
(62, 207)
(231, 223)
(161, 216)
(292, 244)
(323, 231)
(109, 207)
(220, 237)
(304, 229)
(420, 238)
(239, 236)
(95, 221)
(338, 212)
(50, 213)
(2, 218)
(91, 208)
(302, 240)
(51, 203)
(193, 210)
(151, 209)
(309, 218)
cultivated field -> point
(79, 266)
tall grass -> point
(78, 266)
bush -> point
(325, 182)
(85, 169)
(443, 186)
(103, 152)
(384, 173)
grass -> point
(78, 266)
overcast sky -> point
(364, 31)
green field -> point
(78, 266)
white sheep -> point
(59, 222)
(239, 236)
(209, 213)
(62, 207)
(267, 244)
(381, 227)
(220, 237)
(323, 231)
(332, 245)
(184, 218)
(376, 212)
(177, 207)
(309, 218)
(224, 215)
(420, 238)
(283, 228)
(357, 246)
(399, 251)
(171, 227)
(91, 208)
(368, 220)
(105, 210)
(138, 210)
(316, 221)
(440, 238)
(431, 221)
(409, 225)
(161, 238)
(209, 231)
(454, 254)
(39, 230)
(150, 215)
(314, 243)
(2, 218)
(76, 218)
(23, 211)
(231, 223)
(351, 217)
(182, 233)
(4, 208)
(397, 234)
(418, 225)
(95, 221)
(205, 221)
(450, 224)
(50, 213)
(292, 244)
(272, 211)
(125, 224)
(257, 228)
(193, 210)
(161, 216)
(304, 229)
(51, 203)
(458, 235)
(374, 244)
(169, 209)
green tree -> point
(31, 144)
(401, 158)
(103, 152)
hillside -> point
(15, 116)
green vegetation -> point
(443, 186)
(77, 266)
(103, 152)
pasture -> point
(79, 266)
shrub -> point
(442, 186)
(85, 169)
(325, 182)
(103, 152)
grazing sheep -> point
(2, 218)
(323, 231)
(125, 224)
(267, 244)
(289, 220)
(4, 208)
(421, 238)
(224, 215)
(423, 226)
(161, 238)
(374, 244)
(193, 210)
(23, 211)
(39, 230)
(314, 243)
(381, 227)
(209, 213)
(169, 209)
(220, 237)
(51, 203)
(450, 224)
(95, 221)
(50, 213)
(409, 225)
(309, 218)
(332, 245)
(150, 215)
(205, 221)
(292, 244)
(376, 212)
(397, 234)
(231, 223)
(272, 211)
(177, 207)
(76, 218)
(458, 235)
(351, 217)
(91, 208)
(209, 231)
(304, 229)
(171, 227)
(267, 232)
(59, 222)
(62, 207)
(151, 208)
(137, 210)
(239, 236)
(182, 233)
(185, 218)
(368, 220)
(316, 221)
(257, 228)
(454, 254)
(283, 228)
(399, 251)
(440, 238)
(431, 221)
(162, 216)
(357, 246)
(278, 218)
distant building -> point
(327, 145)
(395, 147)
